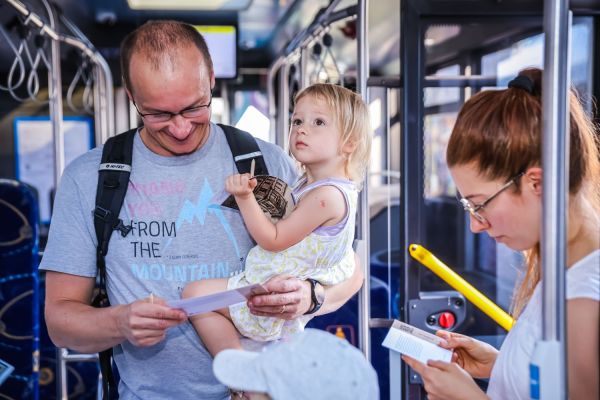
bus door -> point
(449, 54)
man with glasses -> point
(180, 162)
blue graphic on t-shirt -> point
(191, 212)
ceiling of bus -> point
(265, 27)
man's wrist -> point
(317, 296)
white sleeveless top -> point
(510, 375)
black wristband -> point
(315, 304)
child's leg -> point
(215, 327)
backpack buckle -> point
(124, 229)
(101, 213)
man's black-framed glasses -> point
(165, 116)
(474, 209)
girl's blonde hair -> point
(352, 116)
(500, 132)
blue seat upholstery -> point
(19, 293)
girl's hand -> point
(475, 357)
(446, 381)
(240, 185)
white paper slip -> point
(415, 343)
(215, 301)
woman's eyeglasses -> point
(474, 209)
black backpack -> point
(113, 179)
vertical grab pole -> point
(304, 55)
(108, 94)
(273, 126)
(364, 301)
(55, 97)
(284, 105)
(104, 109)
(395, 363)
(226, 106)
(56, 116)
(548, 363)
(99, 107)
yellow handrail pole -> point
(490, 308)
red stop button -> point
(446, 320)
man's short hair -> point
(157, 40)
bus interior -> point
(415, 62)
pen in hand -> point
(252, 164)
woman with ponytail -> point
(494, 156)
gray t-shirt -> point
(179, 235)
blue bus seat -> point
(19, 293)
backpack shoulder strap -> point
(244, 149)
(113, 179)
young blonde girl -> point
(330, 138)
(494, 155)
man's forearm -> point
(337, 295)
(81, 327)
(72, 322)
